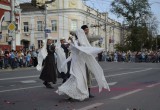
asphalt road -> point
(133, 85)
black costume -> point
(48, 73)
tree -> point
(152, 26)
(134, 12)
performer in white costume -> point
(76, 86)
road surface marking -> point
(20, 89)
(152, 85)
(28, 81)
(126, 68)
(24, 77)
(16, 69)
(128, 73)
(108, 69)
(91, 106)
(12, 85)
(110, 84)
(32, 87)
(126, 94)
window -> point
(26, 26)
(40, 44)
(54, 25)
(73, 25)
(39, 26)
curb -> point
(17, 69)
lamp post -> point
(13, 42)
(106, 33)
(45, 21)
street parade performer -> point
(82, 54)
(47, 54)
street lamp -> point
(13, 42)
(45, 7)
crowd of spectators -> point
(14, 59)
(129, 56)
(28, 58)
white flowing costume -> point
(76, 86)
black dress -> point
(48, 73)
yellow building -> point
(63, 16)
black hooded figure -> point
(48, 73)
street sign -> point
(10, 34)
(47, 30)
(11, 27)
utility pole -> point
(13, 42)
(45, 21)
(105, 33)
(156, 42)
(113, 39)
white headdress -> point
(82, 38)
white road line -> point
(156, 68)
(152, 85)
(126, 68)
(120, 74)
(108, 69)
(126, 94)
(129, 72)
(9, 90)
(91, 106)
(24, 77)
(28, 81)
(110, 84)
(12, 85)
(17, 69)
(20, 89)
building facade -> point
(63, 16)
(6, 35)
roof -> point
(28, 7)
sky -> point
(104, 6)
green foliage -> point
(121, 47)
(132, 10)
(137, 16)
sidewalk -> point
(17, 69)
